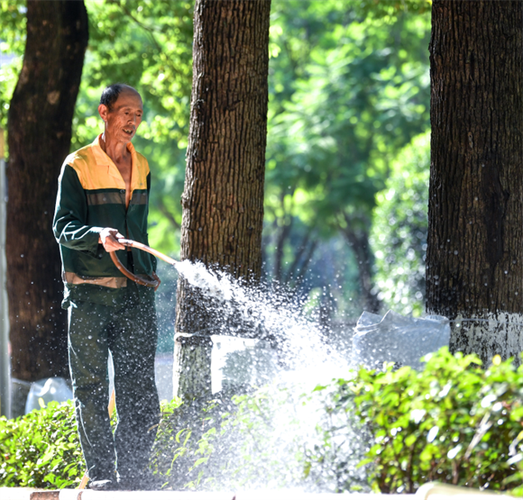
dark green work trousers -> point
(129, 331)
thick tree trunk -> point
(223, 196)
(39, 134)
(475, 251)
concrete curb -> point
(431, 491)
(31, 494)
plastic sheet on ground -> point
(47, 390)
(398, 339)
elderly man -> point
(102, 197)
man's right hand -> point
(109, 239)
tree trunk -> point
(475, 251)
(39, 134)
(223, 197)
(356, 234)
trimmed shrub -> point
(454, 422)
(41, 449)
(231, 442)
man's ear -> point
(102, 111)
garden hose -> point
(141, 280)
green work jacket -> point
(91, 196)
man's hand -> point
(109, 239)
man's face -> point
(122, 121)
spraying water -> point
(283, 442)
(292, 433)
(284, 421)
(299, 338)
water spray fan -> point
(141, 280)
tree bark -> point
(475, 251)
(39, 135)
(223, 196)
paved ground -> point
(27, 494)
(426, 492)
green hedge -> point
(389, 431)
(231, 442)
(41, 449)
(454, 422)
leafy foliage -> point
(399, 230)
(228, 443)
(41, 449)
(347, 92)
(360, 93)
(348, 89)
(454, 422)
(391, 8)
(12, 45)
